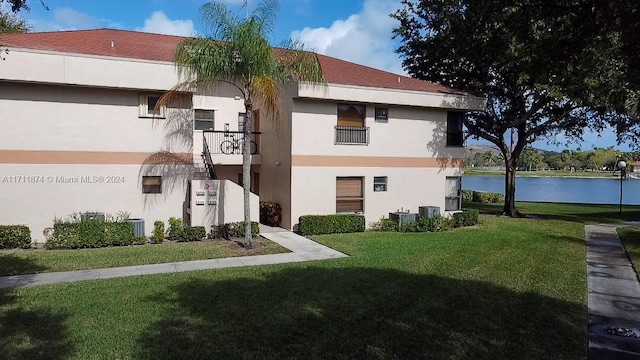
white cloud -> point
(364, 38)
(70, 19)
(159, 23)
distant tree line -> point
(596, 160)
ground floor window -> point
(349, 195)
(380, 183)
(151, 184)
(453, 193)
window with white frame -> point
(379, 183)
(203, 119)
(453, 191)
(147, 106)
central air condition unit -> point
(428, 211)
(403, 217)
(92, 216)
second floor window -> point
(350, 129)
(203, 119)
(454, 128)
(147, 106)
(351, 115)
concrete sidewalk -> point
(614, 296)
(302, 249)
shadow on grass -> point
(361, 313)
(27, 333)
(11, 264)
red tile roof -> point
(147, 46)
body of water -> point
(569, 190)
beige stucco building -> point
(79, 134)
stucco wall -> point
(314, 190)
(33, 194)
(410, 149)
(228, 197)
(54, 137)
(50, 117)
(275, 169)
(94, 71)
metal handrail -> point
(208, 161)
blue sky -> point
(353, 30)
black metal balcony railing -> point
(351, 135)
(230, 142)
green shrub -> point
(497, 198)
(176, 228)
(331, 224)
(237, 228)
(141, 240)
(384, 225)
(15, 236)
(467, 195)
(118, 233)
(222, 231)
(90, 234)
(487, 197)
(158, 232)
(270, 213)
(193, 233)
(467, 217)
(436, 223)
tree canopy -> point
(17, 5)
(544, 67)
(11, 23)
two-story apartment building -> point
(80, 134)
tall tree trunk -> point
(246, 170)
(510, 188)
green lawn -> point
(508, 289)
(630, 237)
(31, 261)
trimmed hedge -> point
(384, 225)
(270, 213)
(15, 236)
(90, 234)
(487, 197)
(193, 233)
(467, 195)
(237, 228)
(465, 218)
(430, 224)
(331, 224)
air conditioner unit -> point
(428, 211)
(403, 217)
(92, 216)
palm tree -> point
(489, 158)
(237, 52)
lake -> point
(569, 190)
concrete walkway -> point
(614, 296)
(302, 249)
